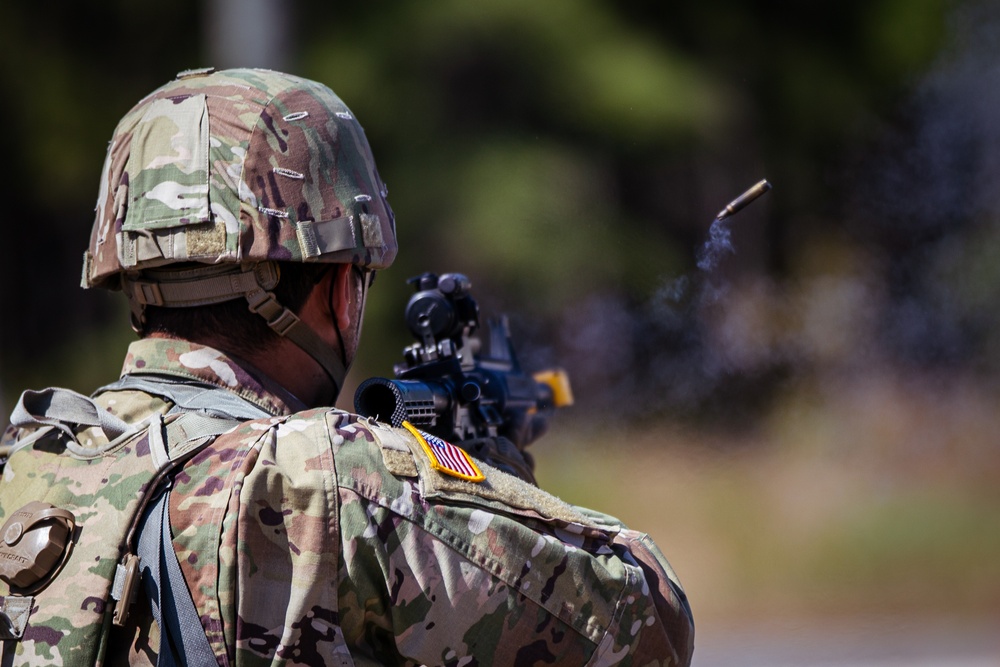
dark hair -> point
(232, 322)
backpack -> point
(73, 542)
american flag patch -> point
(446, 457)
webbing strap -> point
(190, 397)
(199, 286)
(182, 637)
(192, 430)
(14, 612)
(60, 408)
(285, 323)
(201, 293)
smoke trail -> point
(658, 356)
(719, 243)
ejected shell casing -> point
(744, 199)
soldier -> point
(241, 214)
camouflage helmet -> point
(238, 166)
(216, 178)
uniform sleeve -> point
(671, 632)
(435, 571)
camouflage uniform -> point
(311, 536)
(295, 529)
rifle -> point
(453, 383)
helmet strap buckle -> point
(265, 304)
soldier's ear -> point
(344, 295)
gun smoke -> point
(658, 355)
(719, 243)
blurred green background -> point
(809, 427)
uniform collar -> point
(184, 359)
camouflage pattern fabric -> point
(101, 488)
(318, 529)
(99, 485)
(238, 166)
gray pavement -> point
(881, 641)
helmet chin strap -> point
(286, 323)
(213, 284)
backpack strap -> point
(182, 637)
(190, 396)
(60, 408)
(205, 412)
(148, 541)
(63, 410)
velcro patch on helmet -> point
(208, 240)
(191, 242)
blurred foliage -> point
(568, 156)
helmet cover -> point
(238, 166)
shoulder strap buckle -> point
(125, 587)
